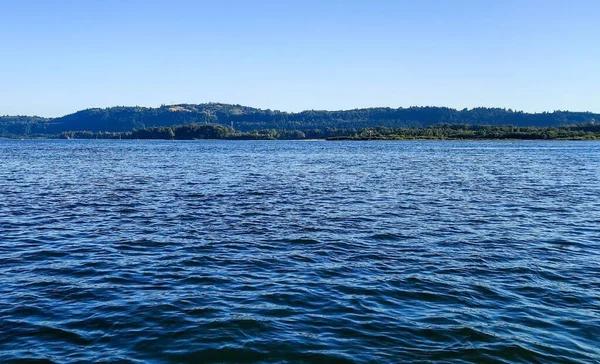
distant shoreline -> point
(314, 124)
(589, 131)
(309, 140)
(457, 132)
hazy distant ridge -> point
(122, 118)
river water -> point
(260, 251)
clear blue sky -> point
(60, 56)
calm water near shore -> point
(258, 251)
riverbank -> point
(589, 131)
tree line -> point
(248, 119)
(589, 131)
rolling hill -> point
(123, 118)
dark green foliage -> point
(442, 131)
(17, 126)
(315, 124)
(589, 131)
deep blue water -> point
(207, 251)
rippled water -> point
(138, 251)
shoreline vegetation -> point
(253, 123)
(590, 131)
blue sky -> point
(58, 57)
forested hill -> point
(119, 119)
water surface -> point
(209, 251)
